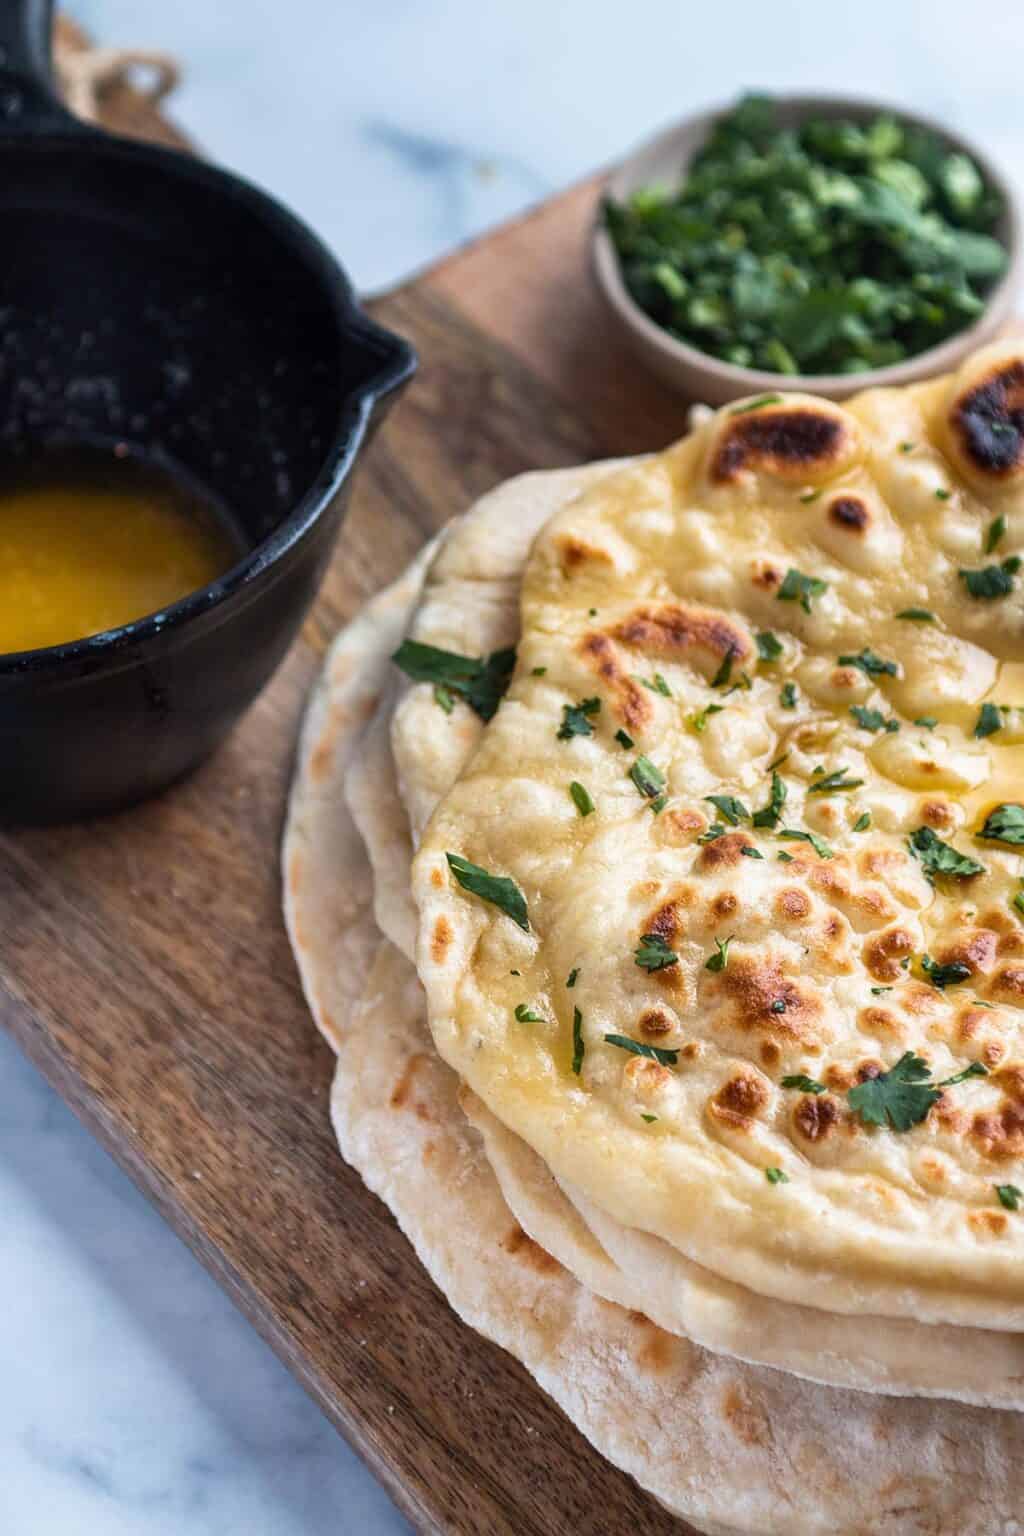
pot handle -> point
(28, 100)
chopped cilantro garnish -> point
(649, 1118)
(992, 581)
(576, 719)
(637, 1048)
(538, 671)
(526, 1015)
(724, 672)
(720, 959)
(749, 852)
(578, 1043)
(656, 684)
(784, 857)
(863, 822)
(770, 814)
(1009, 1195)
(943, 976)
(878, 991)
(808, 496)
(755, 404)
(906, 447)
(658, 804)
(794, 835)
(917, 615)
(623, 739)
(872, 719)
(976, 1069)
(798, 588)
(648, 778)
(902, 1096)
(777, 1005)
(698, 722)
(581, 798)
(481, 683)
(572, 977)
(653, 953)
(988, 722)
(928, 722)
(1005, 824)
(872, 665)
(942, 494)
(777, 763)
(776, 1176)
(1018, 901)
(769, 646)
(499, 890)
(713, 833)
(804, 1083)
(733, 810)
(996, 530)
(787, 697)
(832, 783)
(939, 858)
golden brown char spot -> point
(884, 951)
(992, 1053)
(746, 1418)
(437, 878)
(988, 421)
(816, 1116)
(646, 1077)
(740, 1100)
(792, 904)
(939, 815)
(872, 901)
(1011, 946)
(879, 1021)
(1011, 1081)
(1007, 985)
(786, 441)
(530, 1253)
(576, 552)
(668, 921)
(441, 940)
(876, 863)
(765, 575)
(987, 1223)
(976, 949)
(849, 513)
(723, 853)
(693, 1050)
(401, 1094)
(844, 679)
(830, 878)
(630, 701)
(763, 998)
(656, 1349)
(999, 1134)
(653, 1023)
(725, 904)
(672, 632)
(645, 889)
(771, 1053)
(920, 1001)
(682, 826)
(933, 1170)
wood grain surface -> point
(145, 969)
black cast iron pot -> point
(147, 298)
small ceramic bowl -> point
(151, 300)
(662, 161)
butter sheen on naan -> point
(682, 558)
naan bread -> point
(617, 1262)
(663, 575)
(732, 1448)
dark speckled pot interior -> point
(149, 299)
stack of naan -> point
(663, 904)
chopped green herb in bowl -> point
(806, 242)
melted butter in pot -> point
(90, 541)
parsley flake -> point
(755, 404)
(1010, 1196)
(988, 722)
(872, 719)
(526, 1015)
(942, 494)
(648, 778)
(804, 1083)
(769, 815)
(991, 581)
(576, 719)
(903, 1096)
(650, 1119)
(481, 683)
(776, 1176)
(653, 953)
(581, 798)
(720, 959)
(794, 835)
(538, 672)
(698, 722)
(1005, 824)
(928, 722)
(572, 977)
(996, 530)
(832, 783)
(656, 684)
(863, 822)
(943, 976)
(499, 890)
(917, 615)
(578, 1043)
(624, 740)
(787, 697)
(798, 588)
(939, 858)
(638, 1048)
(769, 646)
(871, 664)
(724, 672)
(733, 810)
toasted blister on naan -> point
(690, 627)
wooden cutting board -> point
(144, 967)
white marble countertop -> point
(136, 1401)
